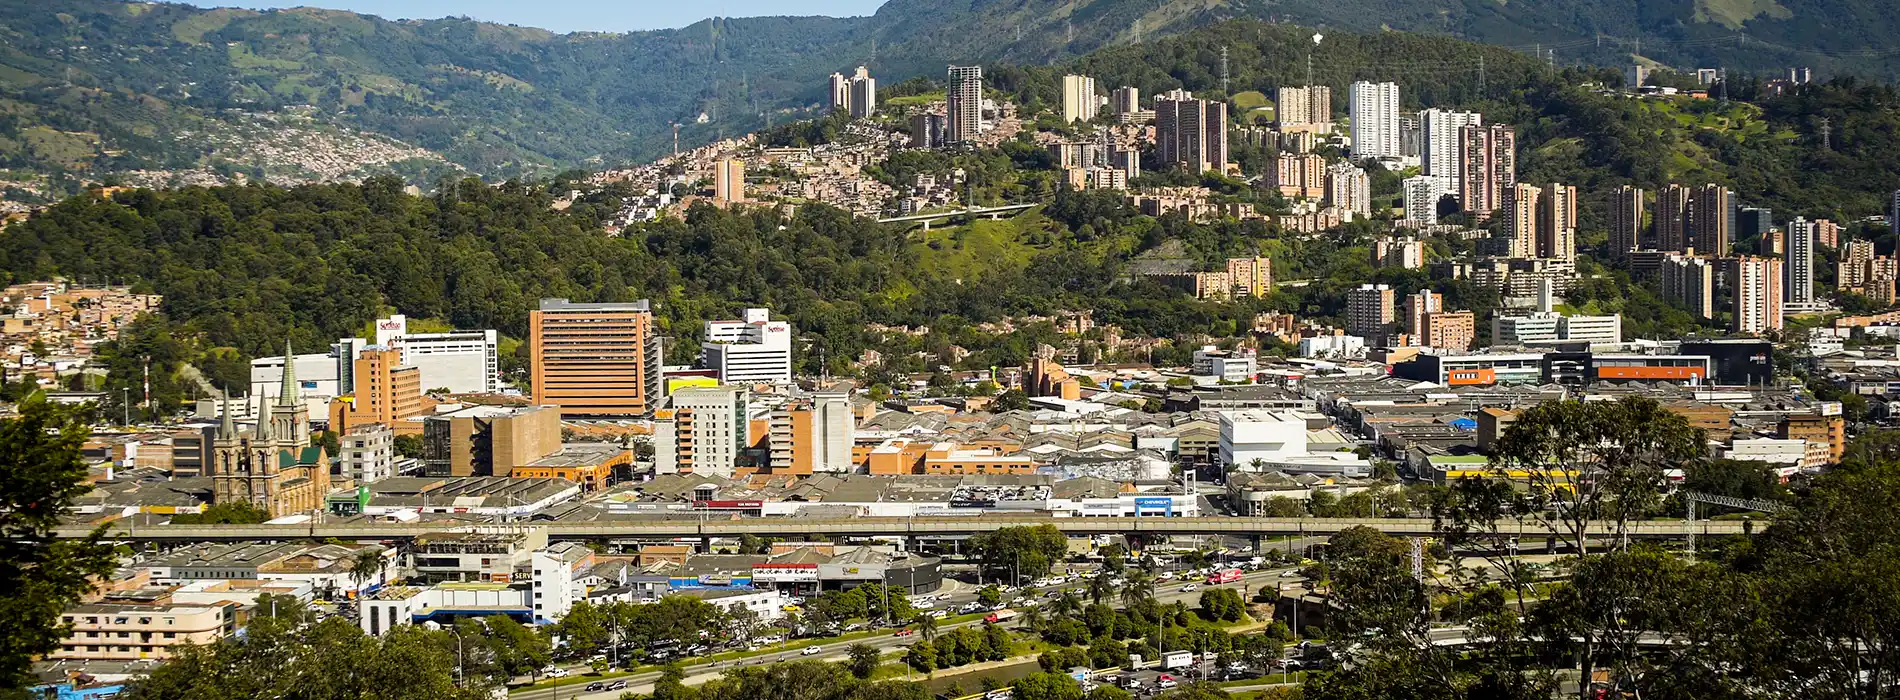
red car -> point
(903, 632)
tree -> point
(1597, 460)
(1011, 400)
(1138, 590)
(989, 597)
(408, 445)
(926, 626)
(1021, 551)
(1101, 588)
(331, 660)
(238, 513)
(42, 474)
(367, 565)
(864, 660)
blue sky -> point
(576, 15)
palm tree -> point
(1139, 589)
(367, 565)
(1066, 604)
(926, 627)
(1100, 588)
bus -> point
(1225, 576)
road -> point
(917, 527)
(700, 673)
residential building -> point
(1349, 189)
(1672, 217)
(1369, 312)
(729, 181)
(598, 360)
(1626, 221)
(863, 94)
(1711, 222)
(1557, 222)
(1375, 120)
(1857, 258)
(367, 453)
(1252, 277)
(1125, 100)
(1417, 307)
(489, 440)
(927, 131)
(840, 93)
(813, 435)
(1303, 106)
(1411, 136)
(965, 97)
(1798, 286)
(752, 350)
(1519, 207)
(1488, 169)
(274, 467)
(1191, 133)
(1825, 425)
(1299, 176)
(1404, 252)
(386, 391)
(1689, 281)
(1756, 294)
(1448, 330)
(140, 625)
(1422, 194)
(702, 430)
(1079, 102)
(1441, 142)
(1893, 214)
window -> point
(171, 635)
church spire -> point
(289, 394)
(227, 429)
(263, 418)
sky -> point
(575, 15)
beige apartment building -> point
(127, 632)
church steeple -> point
(289, 394)
(227, 428)
(263, 420)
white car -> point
(808, 651)
(1290, 573)
(554, 672)
(923, 605)
(1190, 588)
(945, 596)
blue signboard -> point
(1161, 503)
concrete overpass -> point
(968, 214)
(917, 528)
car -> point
(1290, 573)
(1166, 683)
(809, 651)
(792, 609)
(945, 596)
(753, 647)
(1166, 576)
(617, 685)
(596, 687)
(939, 614)
(923, 605)
(554, 672)
(1190, 588)
(904, 632)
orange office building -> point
(595, 360)
(385, 392)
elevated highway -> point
(912, 528)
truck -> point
(1177, 659)
(1001, 616)
(1224, 576)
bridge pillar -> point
(926, 224)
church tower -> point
(227, 455)
(292, 423)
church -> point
(275, 467)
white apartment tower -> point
(1441, 142)
(702, 430)
(863, 94)
(840, 92)
(1757, 294)
(1375, 120)
(1422, 194)
(1803, 238)
(1079, 102)
(751, 350)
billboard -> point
(729, 505)
(785, 573)
(1160, 503)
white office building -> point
(752, 350)
(319, 379)
(1235, 366)
(1269, 436)
(1543, 327)
(464, 362)
(1375, 120)
(702, 430)
(1332, 347)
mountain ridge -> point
(90, 87)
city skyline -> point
(576, 17)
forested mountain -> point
(95, 86)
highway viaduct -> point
(920, 528)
